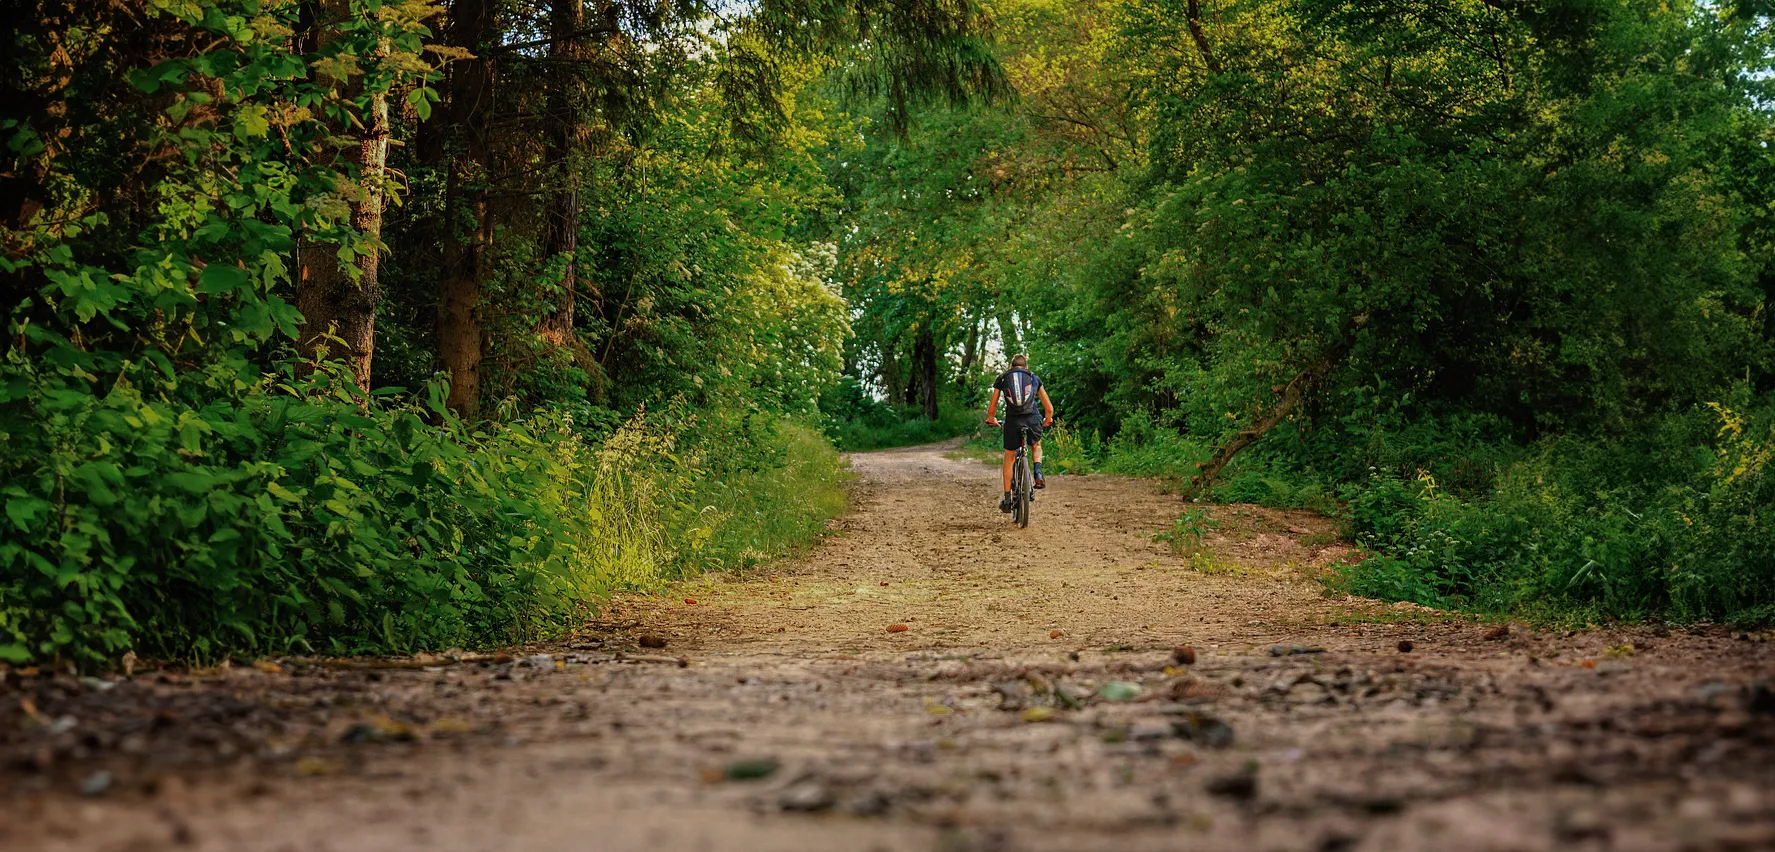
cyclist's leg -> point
(1010, 460)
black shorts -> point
(1014, 425)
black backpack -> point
(1021, 391)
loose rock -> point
(806, 797)
(96, 783)
(1291, 650)
(1203, 728)
(1183, 655)
(1238, 785)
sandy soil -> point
(1032, 702)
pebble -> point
(96, 783)
(1291, 650)
(1204, 729)
(806, 797)
(872, 804)
(1237, 785)
(1760, 699)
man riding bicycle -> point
(1021, 389)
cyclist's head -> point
(1020, 362)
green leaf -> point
(25, 510)
(220, 278)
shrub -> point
(1635, 529)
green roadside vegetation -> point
(384, 325)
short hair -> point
(1019, 360)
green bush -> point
(293, 519)
(1143, 448)
(285, 518)
(1661, 526)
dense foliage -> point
(374, 325)
(1491, 277)
(367, 325)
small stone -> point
(1038, 714)
(361, 732)
(1184, 655)
(1012, 694)
(1712, 692)
(1760, 699)
(1055, 634)
(1204, 729)
(96, 783)
(806, 797)
(1237, 785)
(898, 628)
(651, 640)
(1501, 631)
(873, 804)
(1405, 646)
(691, 601)
(1292, 650)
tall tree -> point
(565, 134)
(924, 368)
(337, 288)
(467, 225)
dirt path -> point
(1032, 703)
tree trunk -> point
(565, 131)
(1266, 420)
(970, 354)
(330, 300)
(1767, 382)
(893, 381)
(924, 361)
(466, 223)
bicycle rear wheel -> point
(1024, 492)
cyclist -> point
(1021, 389)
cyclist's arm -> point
(1047, 406)
(992, 406)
